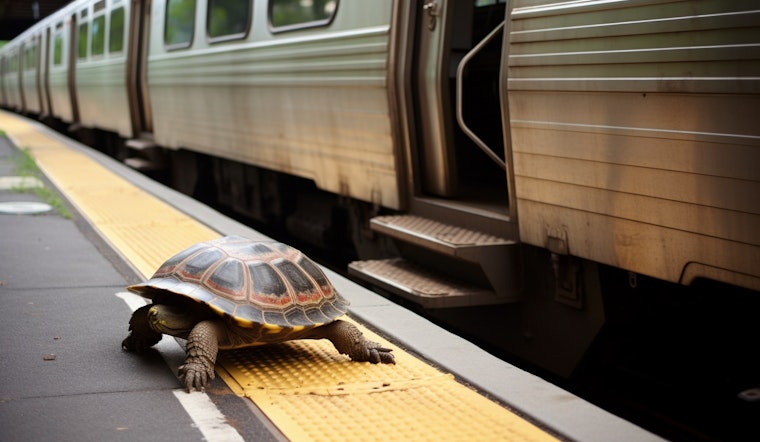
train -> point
(519, 169)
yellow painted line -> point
(306, 388)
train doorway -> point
(137, 56)
(456, 101)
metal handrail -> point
(460, 118)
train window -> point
(58, 50)
(228, 19)
(82, 40)
(116, 36)
(30, 57)
(98, 35)
(58, 44)
(180, 21)
(287, 15)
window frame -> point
(228, 37)
(30, 56)
(100, 20)
(299, 26)
(86, 41)
(58, 55)
(111, 34)
(13, 62)
(181, 45)
(83, 23)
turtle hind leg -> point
(348, 340)
(141, 336)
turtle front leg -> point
(141, 336)
(350, 341)
(201, 349)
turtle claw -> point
(379, 355)
(129, 344)
(372, 352)
(195, 376)
(139, 344)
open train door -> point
(137, 65)
(457, 243)
(456, 100)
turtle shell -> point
(255, 283)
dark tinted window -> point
(98, 34)
(116, 37)
(58, 50)
(180, 21)
(83, 40)
(228, 19)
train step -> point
(141, 143)
(496, 257)
(466, 244)
(148, 156)
(422, 286)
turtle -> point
(233, 292)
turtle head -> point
(173, 320)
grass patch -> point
(24, 165)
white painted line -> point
(24, 207)
(133, 301)
(207, 416)
(204, 413)
(20, 183)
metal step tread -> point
(435, 235)
(141, 164)
(423, 286)
(141, 143)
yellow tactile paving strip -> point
(305, 387)
(145, 230)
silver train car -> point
(475, 154)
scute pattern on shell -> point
(267, 283)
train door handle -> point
(432, 10)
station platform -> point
(64, 312)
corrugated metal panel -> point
(636, 45)
(102, 94)
(312, 103)
(101, 80)
(11, 77)
(59, 95)
(634, 131)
